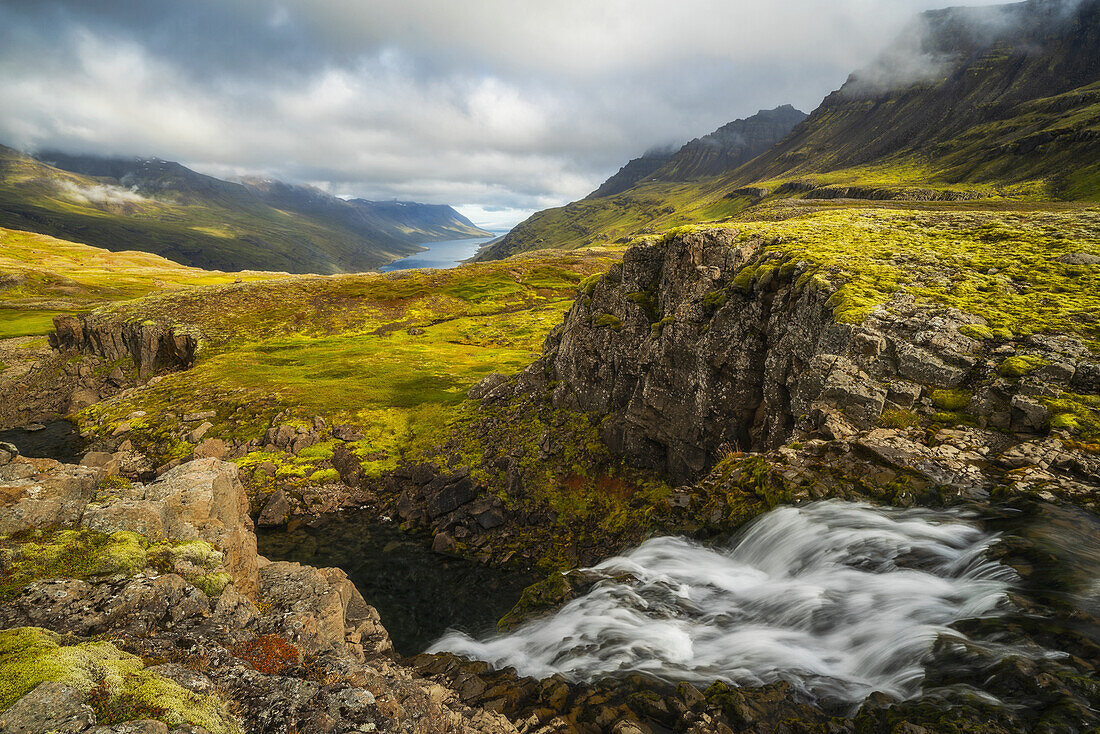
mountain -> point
(731, 145)
(1002, 94)
(633, 172)
(164, 208)
(992, 102)
(642, 186)
(399, 220)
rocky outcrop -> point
(200, 500)
(311, 656)
(704, 344)
(151, 345)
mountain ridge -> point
(163, 207)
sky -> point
(497, 107)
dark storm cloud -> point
(499, 105)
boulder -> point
(51, 707)
(200, 500)
(276, 510)
(319, 610)
(39, 493)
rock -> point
(1035, 414)
(39, 493)
(210, 448)
(121, 428)
(8, 452)
(196, 435)
(81, 398)
(489, 388)
(199, 416)
(101, 460)
(347, 464)
(202, 499)
(152, 346)
(51, 707)
(443, 543)
(347, 432)
(276, 510)
(451, 496)
(320, 609)
(1078, 258)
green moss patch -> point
(117, 685)
(1020, 366)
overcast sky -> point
(498, 107)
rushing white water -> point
(840, 599)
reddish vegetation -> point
(605, 485)
(269, 654)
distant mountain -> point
(401, 220)
(633, 172)
(165, 208)
(731, 145)
(720, 152)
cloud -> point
(494, 105)
(101, 195)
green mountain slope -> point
(997, 103)
(1012, 95)
(166, 209)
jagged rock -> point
(51, 707)
(491, 387)
(82, 397)
(8, 452)
(453, 493)
(151, 345)
(320, 609)
(1035, 414)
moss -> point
(211, 584)
(951, 400)
(648, 302)
(1078, 414)
(899, 419)
(608, 319)
(87, 554)
(976, 331)
(30, 656)
(324, 476)
(1020, 365)
(589, 284)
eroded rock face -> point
(153, 346)
(321, 610)
(687, 357)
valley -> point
(792, 429)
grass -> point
(41, 276)
(387, 354)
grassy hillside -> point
(386, 353)
(41, 276)
(196, 220)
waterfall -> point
(839, 599)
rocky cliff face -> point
(152, 346)
(696, 346)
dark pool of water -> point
(58, 440)
(446, 254)
(419, 594)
